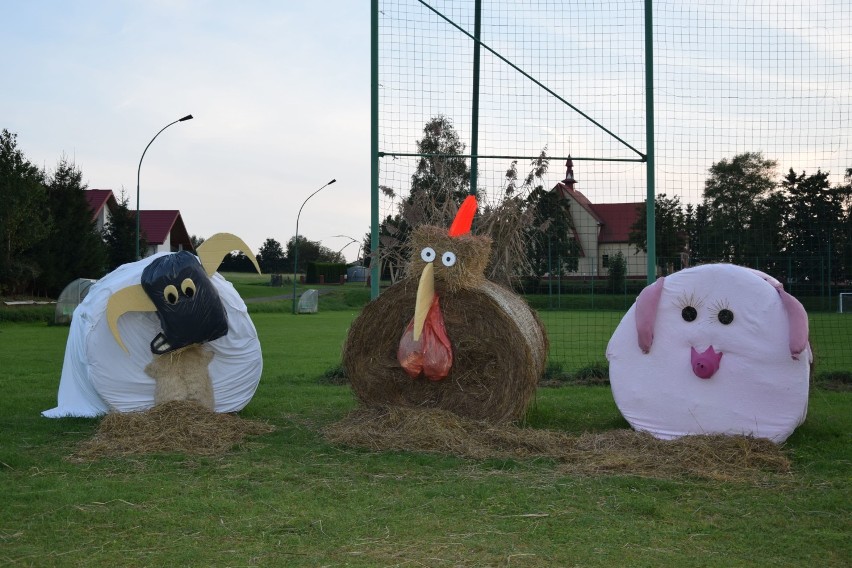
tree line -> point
(275, 259)
(797, 228)
(48, 236)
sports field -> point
(290, 498)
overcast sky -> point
(280, 92)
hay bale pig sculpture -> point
(714, 349)
(164, 328)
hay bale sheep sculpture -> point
(472, 347)
(165, 328)
(716, 349)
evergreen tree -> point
(551, 246)
(441, 175)
(73, 247)
(438, 186)
(24, 218)
(670, 228)
(119, 235)
(696, 223)
(815, 226)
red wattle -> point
(430, 356)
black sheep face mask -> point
(187, 303)
(178, 288)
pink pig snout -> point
(705, 364)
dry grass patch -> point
(625, 452)
(173, 427)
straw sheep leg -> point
(182, 375)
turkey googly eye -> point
(725, 316)
(428, 254)
(448, 258)
(689, 313)
(188, 287)
(170, 294)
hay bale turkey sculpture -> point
(472, 347)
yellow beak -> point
(425, 295)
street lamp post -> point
(139, 171)
(351, 240)
(296, 241)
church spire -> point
(569, 173)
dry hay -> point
(174, 427)
(499, 351)
(625, 452)
(182, 375)
(472, 254)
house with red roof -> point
(163, 229)
(601, 230)
(102, 203)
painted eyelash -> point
(718, 306)
(722, 312)
(691, 300)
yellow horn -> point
(213, 250)
(425, 294)
(130, 299)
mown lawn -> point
(291, 499)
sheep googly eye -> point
(725, 316)
(427, 254)
(188, 287)
(448, 258)
(170, 294)
(689, 313)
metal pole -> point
(650, 201)
(474, 114)
(296, 241)
(549, 275)
(375, 272)
(139, 171)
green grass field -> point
(292, 499)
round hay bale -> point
(499, 349)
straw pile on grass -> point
(499, 352)
(626, 452)
(174, 427)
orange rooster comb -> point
(464, 218)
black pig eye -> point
(725, 316)
(689, 313)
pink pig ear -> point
(797, 318)
(646, 313)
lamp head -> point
(187, 117)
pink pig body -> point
(714, 349)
